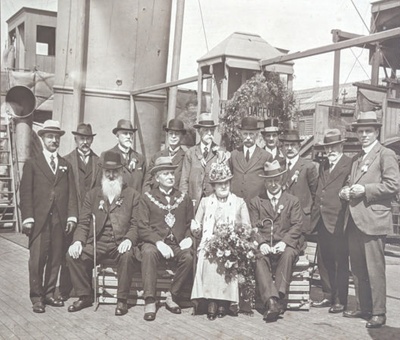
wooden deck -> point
(17, 321)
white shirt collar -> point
(273, 152)
(123, 149)
(335, 162)
(202, 146)
(369, 147)
(83, 154)
(292, 161)
(251, 150)
(277, 196)
(47, 154)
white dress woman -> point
(220, 207)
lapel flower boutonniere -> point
(295, 177)
(119, 201)
(101, 205)
(63, 168)
(280, 208)
(364, 168)
(132, 164)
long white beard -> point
(111, 189)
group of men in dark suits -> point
(339, 201)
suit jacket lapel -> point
(336, 172)
(254, 158)
(297, 167)
(241, 160)
(60, 173)
(102, 212)
(369, 159)
(75, 170)
(197, 152)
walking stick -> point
(272, 229)
(96, 303)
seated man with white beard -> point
(115, 208)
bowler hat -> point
(271, 125)
(249, 123)
(162, 163)
(332, 136)
(125, 125)
(219, 173)
(111, 161)
(290, 136)
(272, 169)
(205, 120)
(367, 118)
(52, 126)
(84, 130)
(175, 125)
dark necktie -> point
(247, 155)
(172, 153)
(273, 202)
(289, 165)
(331, 167)
(52, 163)
(205, 153)
(362, 154)
(85, 157)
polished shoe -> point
(221, 312)
(53, 302)
(212, 311)
(376, 321)
(336, 308)
(122, 308)
(321, 304)
(63, 297)
(38, 307)
(150, 311)
(356, 314)
(80, 304)
(172, 306)
(273, 311)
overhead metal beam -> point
(163, 86)
(376, 37)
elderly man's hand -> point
(70, 227)
(186, 243)
(344, 193)
(164, 249)
(265, 249)
(124, 246)
(195, 228)
(75, 249)
(27, 228)
(357, 191)
(279, 247)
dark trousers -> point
(80, 268)
(65, 277)
(333, 264)
(45, 251)
(150, 260)
(367, 260)
(264, 273)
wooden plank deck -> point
(17, 321)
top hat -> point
(205, 120)
(290, 136)
(249, 123)
(332, 136)
(111, 161)
(162, 163)
(52, 126)
(367, 118)
(271, 125)
(84, 130)
(175, 125)
(273, 169)
(123, 124)
(219, 173)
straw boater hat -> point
(84, 130)
(271, 125)
(367, 118)
(331, 137)
(125, 125)
(205, 120)
(111, 161)
(175, 125)
(219, 173)
(249, 123)
(162, 163)
(52, 126)
(273, 169)
(290, 136)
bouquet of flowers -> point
(233, 248)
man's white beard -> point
(111, 189)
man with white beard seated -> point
(115, 207)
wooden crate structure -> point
(107, 286)
(298, 297)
